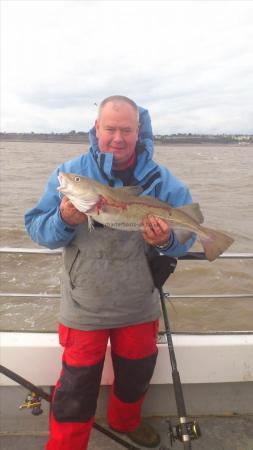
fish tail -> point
(214, 243)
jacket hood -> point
(144, 145)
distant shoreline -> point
(156, 143)
(82, 138)
(45, 141)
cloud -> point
(190, 63)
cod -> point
(124, 209)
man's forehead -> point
(117, 106)
(119, 124)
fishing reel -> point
(33, 402)
(175, 432)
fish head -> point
(80, 190)
(71, 183)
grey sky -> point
(189, 62)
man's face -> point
(117, 132)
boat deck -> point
(218, 389)
(218, 433)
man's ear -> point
(97, 127)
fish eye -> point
(77, 179)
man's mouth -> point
(117, 148)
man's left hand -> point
(156, 231)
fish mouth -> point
(62, 181)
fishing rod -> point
(33, 402)
(185, 431)
(162, 267)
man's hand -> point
(70, 214)
(156, 231)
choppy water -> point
(220, 179)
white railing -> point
(58, 251)
(197, 256)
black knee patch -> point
(132, 376)
(76, 398)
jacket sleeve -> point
(44, 223)
(177, 194)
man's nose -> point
(118, 137)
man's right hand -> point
(70, 214)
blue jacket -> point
(44, 223)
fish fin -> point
(215, 243)
(129, 190)
(90, 223)
(182, 235)
(193, 210)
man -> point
(107, 287)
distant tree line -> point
(72, 136)
(191, 138)
(179, 138)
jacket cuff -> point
(167, 245)
(60, 224)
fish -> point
(124, 208)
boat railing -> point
(195, 256)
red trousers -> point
(134, 353)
